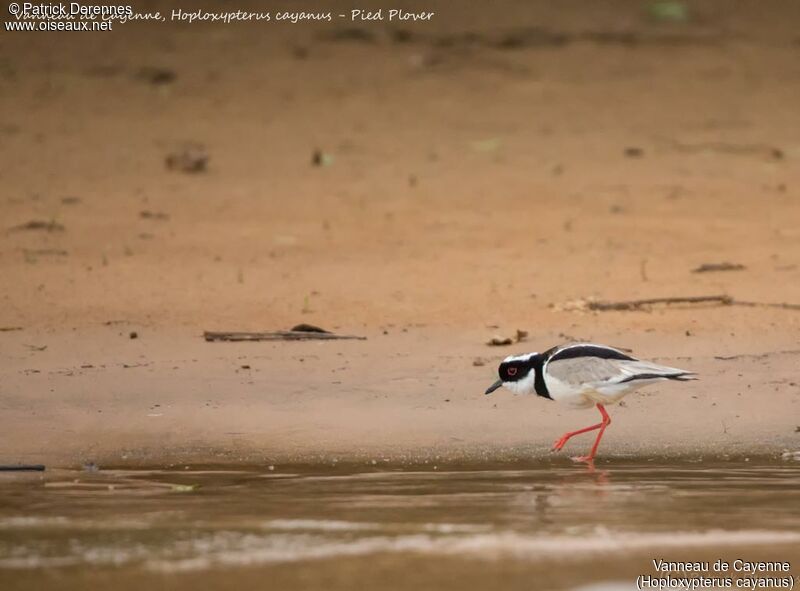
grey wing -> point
(594, 371)
(585, 371)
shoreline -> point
(428, 187)
(407, 398)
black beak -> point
(494, 386)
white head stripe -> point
(525, 357)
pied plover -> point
(582, 375)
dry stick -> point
(718, 300)
(782, 305)
(714, 267)
(282, 335)
(757, 355)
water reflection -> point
(344, 522)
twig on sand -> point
(713, 267)
(301, 332)
(719, 300)
(22, 468)
(647, 304)
(782, 305)
(757, 355)
(47, 226)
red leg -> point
(606, 422)
(567, 436)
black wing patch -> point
(681, 377)
(588, 351)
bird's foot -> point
(586, 459)
(559, 444)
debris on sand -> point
(35, 225)
(300, 332)
(535, 37)
(592, 305)
(32, 255)
(320, 158)
(190, 158)
(156, 76)
(45, 251)
(478, 362)
(22, 468)
(498, 341)
(722, 300)
(153, 215)
(668, 11)
(634, 152)
(713, 267)
(9, 328)
(299, 52)
(401, 35)
(303, 327)
(645, 305)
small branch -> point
(782, 305)
(714, 267)
(719, 300)
(757, 355)
(281, 335)
(646, 304)
(22, 468)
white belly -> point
(588, 395)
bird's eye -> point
(512, 371)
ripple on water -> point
(204, 550)
(195, 521)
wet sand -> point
(408, 397)
(476, 175)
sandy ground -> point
(478, 172)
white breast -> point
(524, 386)
(569, 394)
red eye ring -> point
(512, 371)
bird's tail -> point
(684, 377)
(646, 370)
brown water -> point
(544, 526)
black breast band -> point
(538, 366)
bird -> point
(582, 375)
